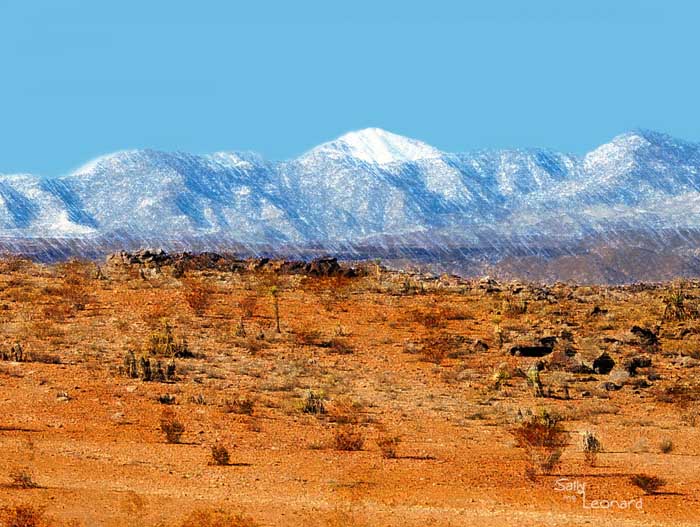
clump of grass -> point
(649, 484)
(220, 455)
(591, 446)
(348, 438)
(543, 439)
(171, 426)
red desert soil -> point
(358, 361)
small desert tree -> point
(274, 292)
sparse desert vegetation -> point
(203, 390)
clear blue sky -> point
(82, 77)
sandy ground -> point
(89, 436)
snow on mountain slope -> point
(366, 185)
(375, 146)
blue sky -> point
(83, 78)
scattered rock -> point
(633, 364)
(597, 311)
(646, 336)
(689, 362)
(480, 346)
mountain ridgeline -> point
(627, 211)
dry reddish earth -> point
(89, 436)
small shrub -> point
(543, 440)
(435, 349)
(199, 399)
(163, 344)
(171, 427)
(247, 305)
(252, 344)
(340, 346)
(22, 479)
(501, 375)
(166, 398)
(666, 446)
(210, 518)
(23, 516)
(305, 337)
(344, 410)
(428, 319)
(275, 294)
(15, 353)
(220, 455)
(676, 306)
(591, 447)
(388, 446)
(240, 405)
(649, 484)
(348, 438)
(314, 404)
(197, 295)
(511, 307)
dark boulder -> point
(539, 348)
(603, 364)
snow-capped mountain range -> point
(369, 187)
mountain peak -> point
(374, 145)
(642, 136)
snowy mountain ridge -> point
(366, 187)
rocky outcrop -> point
(182, 262)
